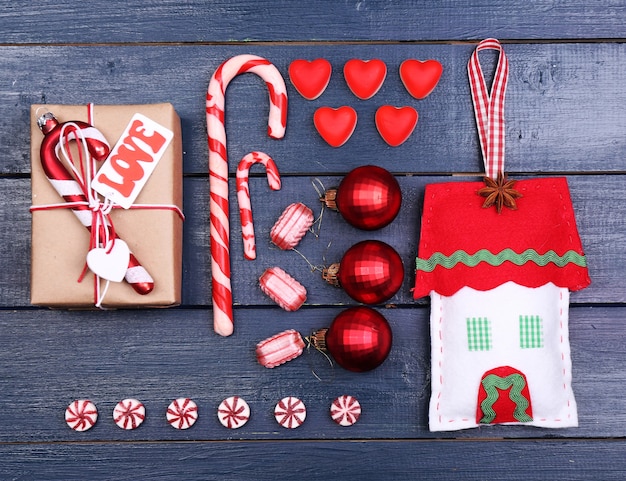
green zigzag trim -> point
(492, 383)
(483, 255)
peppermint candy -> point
(129, 414)
(290, 412)
(345, 410)
(233, 412)
(182, 413)
(81, 415)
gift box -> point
(152, 227)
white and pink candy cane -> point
(218, 170)
(75, 193)
(243, 196)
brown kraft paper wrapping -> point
(60, 242)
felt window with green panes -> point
(480, 338)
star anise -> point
(499, 192)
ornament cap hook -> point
(318, 339)
(46, 122)
(329, 274)
(329, 199)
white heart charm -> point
(110, 265)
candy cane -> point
(218, 170)
(243, 196)
(67, 187)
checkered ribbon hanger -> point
(489, 107)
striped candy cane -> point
(243, 196)
(218, 170)
(489, 107)
(76, 192)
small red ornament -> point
(359, 339)
(370, 272)
(368, 197)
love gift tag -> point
(132, 160)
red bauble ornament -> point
(368, 198)
(370, 272)
(359, 339)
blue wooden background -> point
(566, 115)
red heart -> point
(335, 125)
(395, 124)
(364, 77)
(310, 78)
(420, 78)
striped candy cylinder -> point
(280, 348)
(243, 196)
(283, 289)
(291, 226)
(74, 191)
(218, 170)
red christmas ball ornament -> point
(368, 197)
(370, 272)
(359, 339)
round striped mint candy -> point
(345, 410)
(182, 413)
(129, 413)
(81, 415)
(233, 412)
(290, 412)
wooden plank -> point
(363, 460)
(563, 114)
(50, 358)
(376, 20)
(602, 232)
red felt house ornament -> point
(499, 260)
